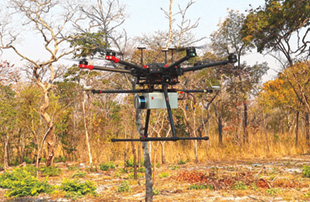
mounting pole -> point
(165, 87)
(165, 51)
(141, 49)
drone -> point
(155, 93)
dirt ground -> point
(249, 180)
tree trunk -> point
(51, 140)
(139, 155)
(134, 160)
(245, 123)
(5, 155)
(220, 130)
(148, 173)
(146, 154)
(86, 131)
(307, 129)
(196, 150)
(297, 128)
(163, 157)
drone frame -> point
(152, 75)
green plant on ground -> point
(164, 174)
(155, 192)
(174, 167)
(28, 160)
(79, 174)
(239, 185)
(21, 182)
(8, 178)
(141, 170)
(60, 159)
(181, 162)
(306, 171)
(75, 189)
(73, 168)
(132, 176)
(50, 171)
(198, 187)
(273, 191)
(124, 187)
(130, 163)
(107, 165)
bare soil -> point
(249, 180)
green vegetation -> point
(75, 189)
(273, 191)
(198, 187)
(139, 175)
(181, 162)
(21, 182)
(79, 174)
(164, 174)
(239, 185)
(306, 171)
(124, 187)
(106, 166)
(50, 171)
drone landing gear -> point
(174, 138)
(146, 139)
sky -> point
(146, 16)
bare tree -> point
(49, 21)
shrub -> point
(106, 166)
(73, 168)
(130, 163)
(239, 185)
(155, 192)
(181, 162)
(28, 160)
(174, 167)
(132, 175)
(79, 174)
(21, 182)
(124, 187)
(8, 178)
(74, 188)
(198, 187)
(272, 191)
(306, 171)
(28, 186)
(162, 175)
(141, 170)
(60, 159)
(50, 171)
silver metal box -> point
(156, 100)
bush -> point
(7, 179)
(141, 170)
(306, 171)
(79, 174)
(162, 175)
(29, 186)
(239, 185)
(132, 175)
(181, 162)
(75, 189)
(124, 187)
(50, 171)
(60, 159)
(130, 163)
(198, 187)
(106, 166)
(21, 182)
(28, 160)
